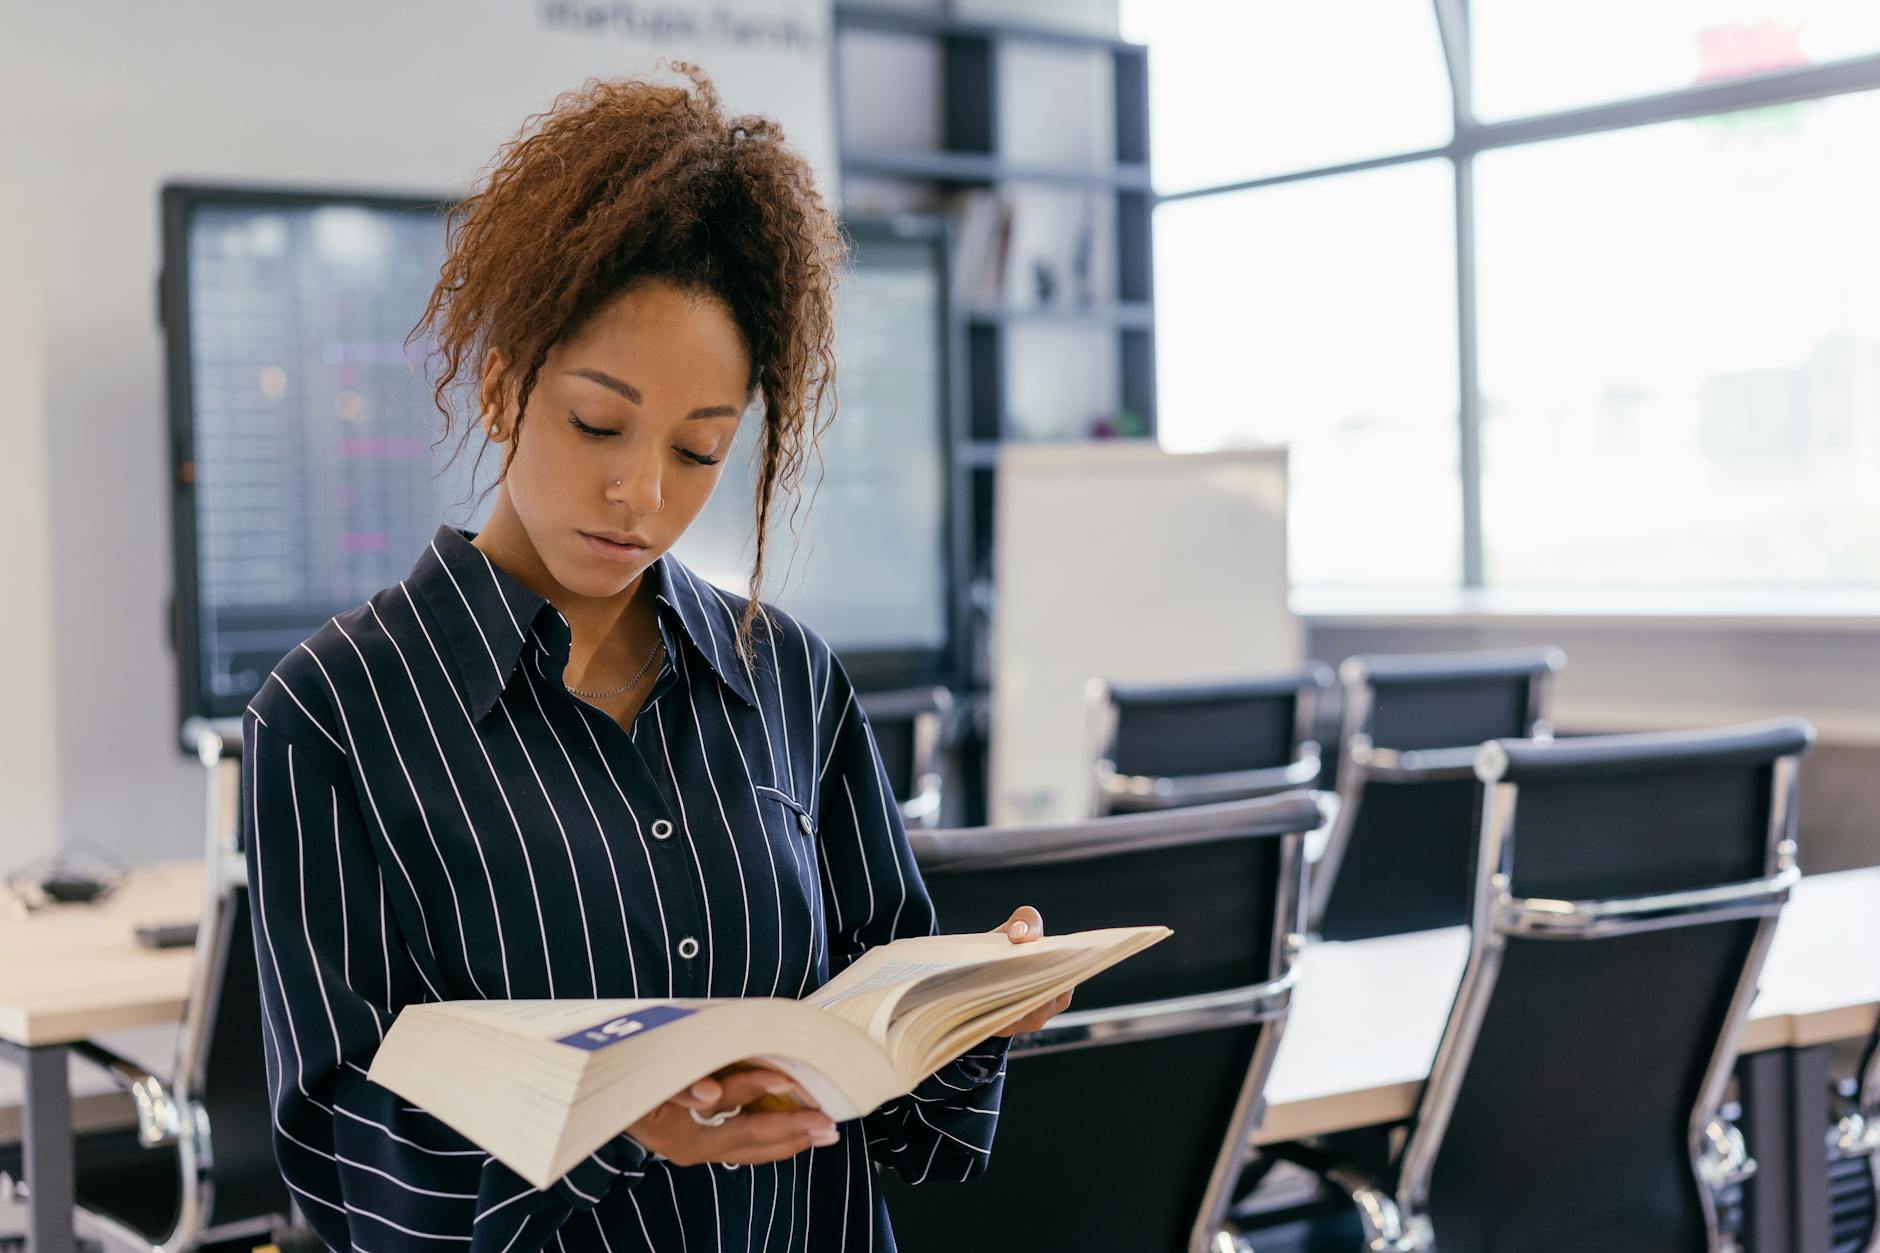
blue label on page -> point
(625, 1027)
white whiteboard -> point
(1125, 562)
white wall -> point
(100, 104)
(28, 754)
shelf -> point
(931, 105)
(983, 167)
(1134, 314)
(908, 22)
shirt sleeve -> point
(873, 893)
(365, 1168)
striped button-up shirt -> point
(429, 815)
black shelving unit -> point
(968, 155)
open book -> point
(541, 1084)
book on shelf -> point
(540, 1084)
(980, 246)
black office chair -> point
(910, 726)
(1156, 746)
(199, 1169)
(1125, 1121)
(1627, 895)
(1854, 1161)
(1399, 854)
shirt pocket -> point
(800, 818)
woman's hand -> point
(748, 1139)
(1024, 926)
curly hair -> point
(630, 179)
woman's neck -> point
(610, 636)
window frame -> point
(1472, 137)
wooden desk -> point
(1369, 1014)
(76, 971)
(72, 972)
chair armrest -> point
(1159, 791)
(158, 1119)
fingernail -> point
(825, 1138)
(777, 1087)
(702, 1092)
(1020, 928)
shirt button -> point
(809, 828)
(662, 829)
(688, 948)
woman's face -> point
(649, 394)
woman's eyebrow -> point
(623, 388)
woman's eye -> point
(575, 421)
(597, 432)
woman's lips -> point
(612, 551)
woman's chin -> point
(591, 576)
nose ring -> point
(662, 504)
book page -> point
(551, 1019)
(922, 955)
(885, 974)
(966, 970)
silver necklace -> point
(657, 645)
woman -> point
(552, 762)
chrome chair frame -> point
(930, 709)
(1399, 1222)
(169, 1114)
(1269, 1001)
(1858, 1133)
(1360, 761)
(1166, 792)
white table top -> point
(73, 972)
(1338, 1067)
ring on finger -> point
(716, 1120)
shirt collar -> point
(705, 619)
(487, 616)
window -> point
(1676, 318)
(1680, 352)
(1542, 56)
(1243, 90)
(1322, 314)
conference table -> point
(1366, 1020)
(1368, 1015)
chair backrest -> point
(1402, 843)
(220, 1069)
(1626, 893)
(1126, 1119)
(910, 727)
(1156, 746)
